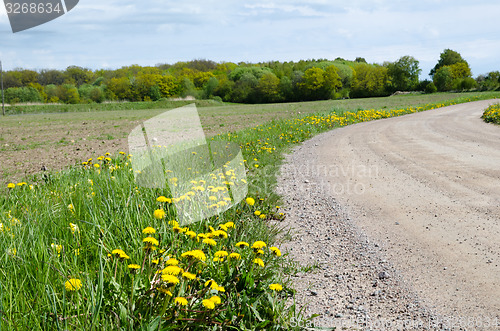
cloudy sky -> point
(112, 33)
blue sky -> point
(111, 33)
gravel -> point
(353, 285)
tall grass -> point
(87, 248)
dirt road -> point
(426, 189)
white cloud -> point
(116, 33)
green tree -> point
(22, 94)
(404, 73)
(443, 79)
(268, 88)
(369, 80)
(312, 84)
(447, 58)
(48, 77)
(244, 89)
(78, 76)
(210, 87)
(120, 88)
(332, 81)
(460, 70)
(169, 86)
(68, 93)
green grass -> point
(92, 107)
(61, 226)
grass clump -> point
(492, 114)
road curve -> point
(426, 186)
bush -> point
(22, 94)
(430, 88)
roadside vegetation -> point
(268, 82)
(86, 248)
(492, 114)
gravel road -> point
(401, 217)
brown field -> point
(55, 140)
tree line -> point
(264, 82)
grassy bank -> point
(87, 248)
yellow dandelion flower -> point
(172, 261)
(260, 251)
(150, 241)
(218, 259)
(195, 254)
(117, 252)
(235, 256)
(221, 254)
(191, 234)
(188, 275)
(220, 289)
(242, 244)
(134, 266)
(58, 248)
(209, 241)
(173, 223)
(275, 250)
(229, 225)
(223, 227)
(171, 270)
(74, 284)
(74, 228)
(159, 214)
(181, 301)
(276, 287)
(170, 279)
(156, 261)
(257, 212)
(164, 290)
(262, 216)
(259, 262)
(148, 230)
(96, 165)
(209, 304)
(164, 199)
(220, 234)
(258, 245)
(216, 300)
(250, 201)
(212, 284)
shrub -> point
(430, 88)
(22, 94)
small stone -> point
(306, 181)
(314, 293)
(338, 315)
(384, 275)
(397, 223)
